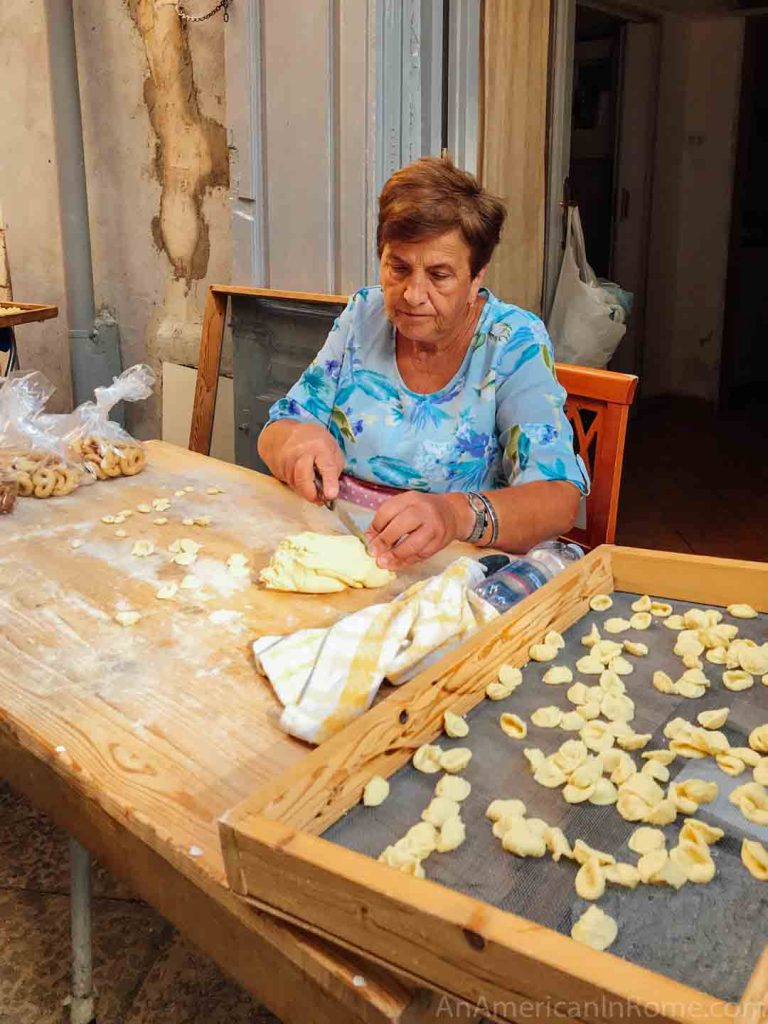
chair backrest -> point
(598, 400)
(598, 408)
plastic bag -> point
(33, 461)
(104, 448)
(586, 322)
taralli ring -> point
(132, 461)
(44, 481)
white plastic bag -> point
(586, 322)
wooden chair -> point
(598, 404)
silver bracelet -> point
(494, 522)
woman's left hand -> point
(427, 522)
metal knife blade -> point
(341, 514)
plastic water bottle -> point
(522, 574)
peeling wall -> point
(153, 105)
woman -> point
(430, 394)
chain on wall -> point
(222, 5)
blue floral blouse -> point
(499, 421)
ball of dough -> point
(316, 563)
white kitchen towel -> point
(326, 677)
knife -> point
(345, 518)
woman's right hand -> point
(292, 450)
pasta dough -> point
(316, 563)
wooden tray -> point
(452, 942)
(31, 312)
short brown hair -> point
(431, 197)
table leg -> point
(81, 1009)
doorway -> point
(602, 137)
(744, 363)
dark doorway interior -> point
(744, 367)
(597, 53)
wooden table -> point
(135, 740)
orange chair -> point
(598, 406)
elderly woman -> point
(431, 399)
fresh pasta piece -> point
(427, 759)
(645, 839)
(513, 726)
(548, 774)
(557, 843)
(661, 755)
(730, 764)
(439, 810)
(547, 717)
(758, 739)
(750, 757)
(498, 809)
(572, 721)
(142, 548)
(754, 857)
(589, 710)
(611, 682)
(691, 661)
(662, 813)
(554, 639)
(605, 650)
(582, 852)
(760, 772)
(570, 755)
(592, 637)
(695, 861)
(662, 682)
(456, 760)
(742, 611)
(636, 649)
(642, 604)
(454, 725)
(696, 831)
(641, 620)
(752, 800)
(595, 928)
(601, 603)
(660, 609)
(523, 841)
(497, 691)
(420, 840)
(674, 622)
(621, 666)
(534, 757)
(510, 676)
(616, 625)
(454, 787)
(604, 793)
(656, 770)
(376, 791)
(714, 718)
(452, 835)
(557, 675)
(597, 736)
(651, 863)
(634, 741)
(542, 652)
(167, 591)
(737, 680)
(622, 874)
(590, 881)
(589, 666)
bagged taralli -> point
(97, 442)
(32, 458)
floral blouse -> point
(498, 422)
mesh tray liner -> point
(707, 936)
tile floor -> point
(692, 482)
(144, 972)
